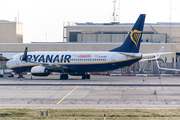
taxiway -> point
(115, 92)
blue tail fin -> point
(133, 40)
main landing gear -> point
(86, 76)
(63, 76)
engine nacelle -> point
(39, 71)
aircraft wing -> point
(47, 65)
(53, 66)
(50, 66)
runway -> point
(102, 92)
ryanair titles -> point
(49, 58)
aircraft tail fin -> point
(133, 40)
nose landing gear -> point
(20, 76)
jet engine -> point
(39, 71)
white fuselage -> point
(73, 59)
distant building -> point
(11, 32)
(116, 32)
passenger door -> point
(113, 59)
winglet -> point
(159, 53)
(24, 58)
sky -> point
(43, 19)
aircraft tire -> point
(88, 76)
(83, 76)
(63, 77)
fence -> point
(149, 67)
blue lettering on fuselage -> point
(41, 59)
(48, 58)
(56, 59)
(35, 57)
(29, 57)
(66, 58)
(62, 58)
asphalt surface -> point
(101, 92)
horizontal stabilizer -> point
(155, 55)
(131, 54)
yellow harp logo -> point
(135, 36)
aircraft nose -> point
(8, 64)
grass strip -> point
(90, 114)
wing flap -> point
(52, 66)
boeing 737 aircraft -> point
(81, 63)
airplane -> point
(81, 63)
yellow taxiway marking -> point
(67, 95)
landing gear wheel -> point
(63, 77)
(86, 76)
